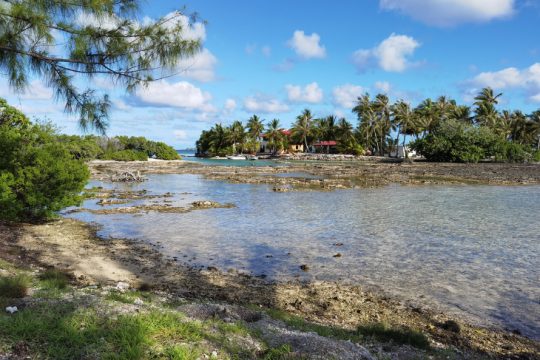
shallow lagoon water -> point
(473, 250)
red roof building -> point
(326, 143)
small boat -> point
(253, 158)
(236, 157)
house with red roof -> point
(265, 149)
(322, 146)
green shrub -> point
(382, 332)
(15, 287)
(38, 176)
(166, 152)
(125, 155)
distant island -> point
(194, 149)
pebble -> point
(122, 285)
(138, 302)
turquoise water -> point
(471, 250)
(227, 162)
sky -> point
(276, 58)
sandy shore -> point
(73, 245)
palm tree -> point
(535, 119)
(486, 114)
(303, 126)
(274, 135)
(255, 126)
(381, 105)
(325, 129)
(402, 113)
(487, 96)
(345, 130)
(237, 133)
(350, 146)
(219, 139)
(462, 113)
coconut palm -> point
(219, 139)
(303, 126)
(486, 114)
(403, 114)
(487, 96)
(274, 135)
(381, 104)
(345, 130)
(350, 146)
(535, 126)
(255, 126)
(462, 113)
(237, 134)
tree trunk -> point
(404, 138)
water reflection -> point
(474, 249)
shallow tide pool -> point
(470, 250)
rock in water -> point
(337, 255)
(304, 267)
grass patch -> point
(382, 332)
(15, 286)
(277, 353)
(63, 333)
(53, 279)
(14, 251)
(114, 296)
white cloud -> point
(199, 68)
(180, 134)
(264, 104)
(446, 13)
(390, 55)
(181, 95)
(37, 91)
(266, 51)
(121, 105)
(310, 94)
(307, 47)
(346, 95)
(193, 32)
(36, 110)
(286, 65)
(339, 113)
(384, 87)
(510, 78)
(229, 107)
(250, 48)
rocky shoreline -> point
(74, 246)
(376, 173)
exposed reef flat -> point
(373, 173)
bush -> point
(15, 287)
(125, 155)
(383, 332)
(166, 152)
(453, 141)
(80, 148)
(38, 176)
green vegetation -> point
(16, 286)
(382, 332)
(38, 175)
(53, 279)
(440, 130)
(49, 40)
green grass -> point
(53, 279)
(15, 286)
(277, 353)
(63, 333)
(14, 251)
(382, 332)
(114, 296)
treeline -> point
(120, 148)
(440, 130)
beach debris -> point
(304, 267)
(338, 255)
(122, 286)
(12, 309)
(338, 244)
(128, 176)
(22, 349)
(213, 268)
(138, 302)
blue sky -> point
(275, 58)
